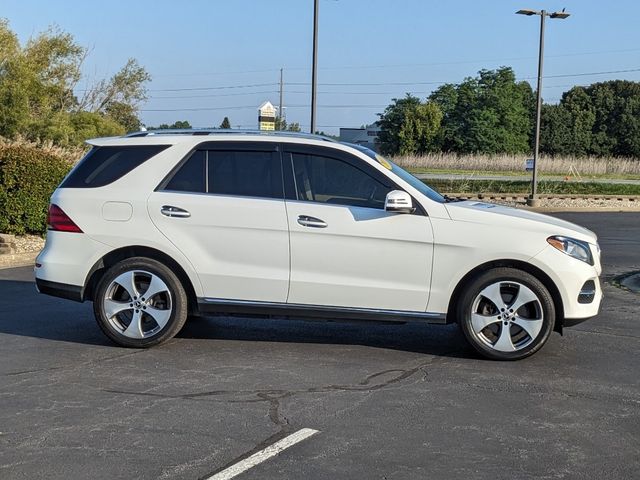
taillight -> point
(59, 221)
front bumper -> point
(570, 276)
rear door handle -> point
(170, 211)
(307, 221)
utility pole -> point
(533, 201)
(281, 107)
(314, 68)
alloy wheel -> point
(506, 316)
(137, 304)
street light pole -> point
(314, 67)
(533, 201)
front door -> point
(224, 209)
(346, 250)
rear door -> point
(223, 207)
(346, 250)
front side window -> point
(330, 180)
(227, 172)
(403, 174)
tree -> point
(602, 119)
(180, 124)
(127, 86)
(225, 123)
(282, 125)
(566, 128)
(293, 127)
(125, 115)
(491, 113)
(409, 126)
(37, 83)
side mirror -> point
(398, 201)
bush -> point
(28, 177)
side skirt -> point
(220, 305)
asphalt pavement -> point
(388, 401)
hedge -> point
(28, 177)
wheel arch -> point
(520, 265)
(115, 256)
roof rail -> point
(225, 131)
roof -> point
(227, 131)
(192, 136)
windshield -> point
(403, 174)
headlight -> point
(575, 248)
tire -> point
(125, 312)
(506, 314)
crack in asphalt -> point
(74, 366)
(274, 397)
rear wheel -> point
(506, 314)
(139, 302)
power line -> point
(190, 89)
(205, 109)
(431, 64)
(376, 84)
(264, 92)
(379, 84)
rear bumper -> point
(60, 290)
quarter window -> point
(191, 176)
(104, 165)
(329, 180)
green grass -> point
(544, 187)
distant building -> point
(367, 136)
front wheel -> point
(140, 302)
(506, 314)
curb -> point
(17, 260)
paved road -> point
(390, 402)
(520, 178)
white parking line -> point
(264, 454)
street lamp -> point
(314, 67)
(533, 198)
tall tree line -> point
(494, 113)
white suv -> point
(155, 226)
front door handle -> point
(307, 221)
(170, 211)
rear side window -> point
(248, 174)
(104, 165)
(228, 172)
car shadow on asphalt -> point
(440, 340)
(26, 313)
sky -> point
(214, 58)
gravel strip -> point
(576, 204)
(27, 243)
